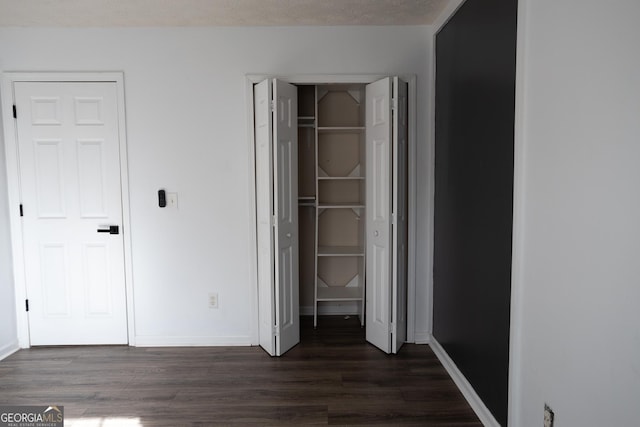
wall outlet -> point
(213, 300)
(548, 416)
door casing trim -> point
(314, 79)
(13, 185)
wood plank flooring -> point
(331, 378)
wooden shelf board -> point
(336, 293)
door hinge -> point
(274, 219)
(393, 218)
(21, 211)
(392, 328)
(276, 331)
(273, 105)
(394, 104)
(15, 112)
(26, 303)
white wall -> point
(8, 333)
(579, 251)
(187, 133)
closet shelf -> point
(341, 205)
(307, 122)
(340, 251)
(309, 201)
(339, 294)
(340, 178)
(340, 129)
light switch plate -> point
(172, 200)
(213, 300)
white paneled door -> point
(386, 213)
(285, 137)
(69, 160)
(262, 95)
(276, 134)
(378, 214)
(399, 227)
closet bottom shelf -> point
(340, 294)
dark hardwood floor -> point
(331, 378)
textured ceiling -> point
(128, 13)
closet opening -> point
(331, 209)
(331, 200)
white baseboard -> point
(181, 341)
(9, 349)
(422, 337)
(463, 384)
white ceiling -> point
(128, 13)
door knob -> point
(113, 229)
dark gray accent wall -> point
(475, 101)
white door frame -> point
(252, 79)
(13, 186)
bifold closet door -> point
(276, 139)
(400, 225)
(386, 213)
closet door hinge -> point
(392, 328)
(393, 218)
(273, 105)
(394, 104)
(274, 219)
(15, 112)
(276, 331)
